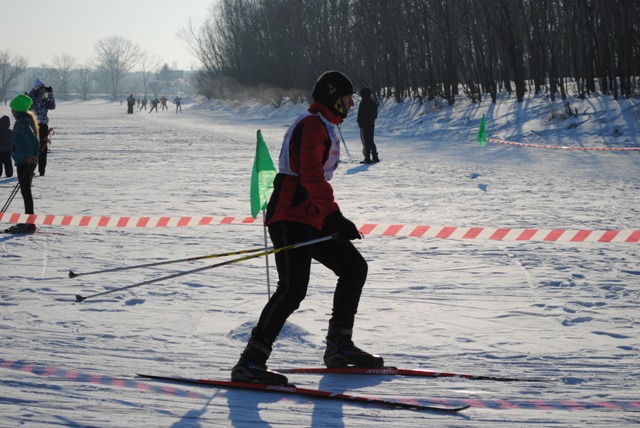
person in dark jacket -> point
(303, 208)
(43, 101)
(5, 146)
(131, 103)
(367, 115)
(25, 149)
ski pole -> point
(73, 274)
(13, 194)
(345, 145)
(80, 298)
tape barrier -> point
(545, 146)
(394, 230)
(503, 234)
(96, 378)
(120, 222)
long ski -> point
(314, 393)
(393, 371)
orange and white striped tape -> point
(545, 146)
(503, 233)
(120, 222)
(395, 230)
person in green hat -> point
(25, 149)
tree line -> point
(424, 48)
(119, 67)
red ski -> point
(393, 371)
(313, 393)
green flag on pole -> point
(262, 177)
(482, 133)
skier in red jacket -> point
(301, 208)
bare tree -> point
(63, 71)
(85, 78)
(159, 80)
(149, 65)
(11, 67)
(115, 56)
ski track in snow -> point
(529, 309)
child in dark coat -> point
(5, 146)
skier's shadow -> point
(244, 407)
(192, 418)
(333, 409)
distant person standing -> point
(367, 115)
(25, 149)
(178, 102)
(131, 102)
(43, 101)
(143, 104)
(5, 146)
(163, 103)
(154, 105)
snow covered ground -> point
(566, 312)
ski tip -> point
(79, 298)
(439, 409)
(460, 409)
(72, 274)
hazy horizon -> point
(74, 26)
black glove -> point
(48, 88)
(335, 222)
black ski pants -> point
(294, 269)
(369, 148)
(44, 149)
(25, 173)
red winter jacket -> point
(302, 192)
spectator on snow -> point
(25, 149)
(163, 102)
(43, 101)
(178, 102)
(302, 208)
(367, 115)
(5, 146)
(131, 102)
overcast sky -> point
(42, 29)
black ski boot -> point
(252, 366)
(341, 352)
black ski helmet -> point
(329, 89)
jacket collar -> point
(326, 112)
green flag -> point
(261, 177)
(482, 133)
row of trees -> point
(425, 48)
(119, 67)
